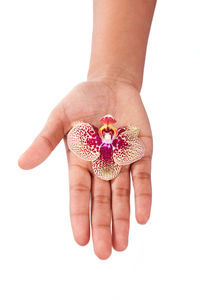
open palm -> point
(88, 102)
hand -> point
(89, 102)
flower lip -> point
(108, 119)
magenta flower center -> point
(107, 132)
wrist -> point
(115, 74)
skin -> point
(113, 87)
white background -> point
(44, 52)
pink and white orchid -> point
(107, 148)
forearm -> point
(120, 34)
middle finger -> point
(101, 217)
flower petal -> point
(104, 166)
(84, 141)
(128, 148)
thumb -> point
(52, 133)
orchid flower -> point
(107, 148)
